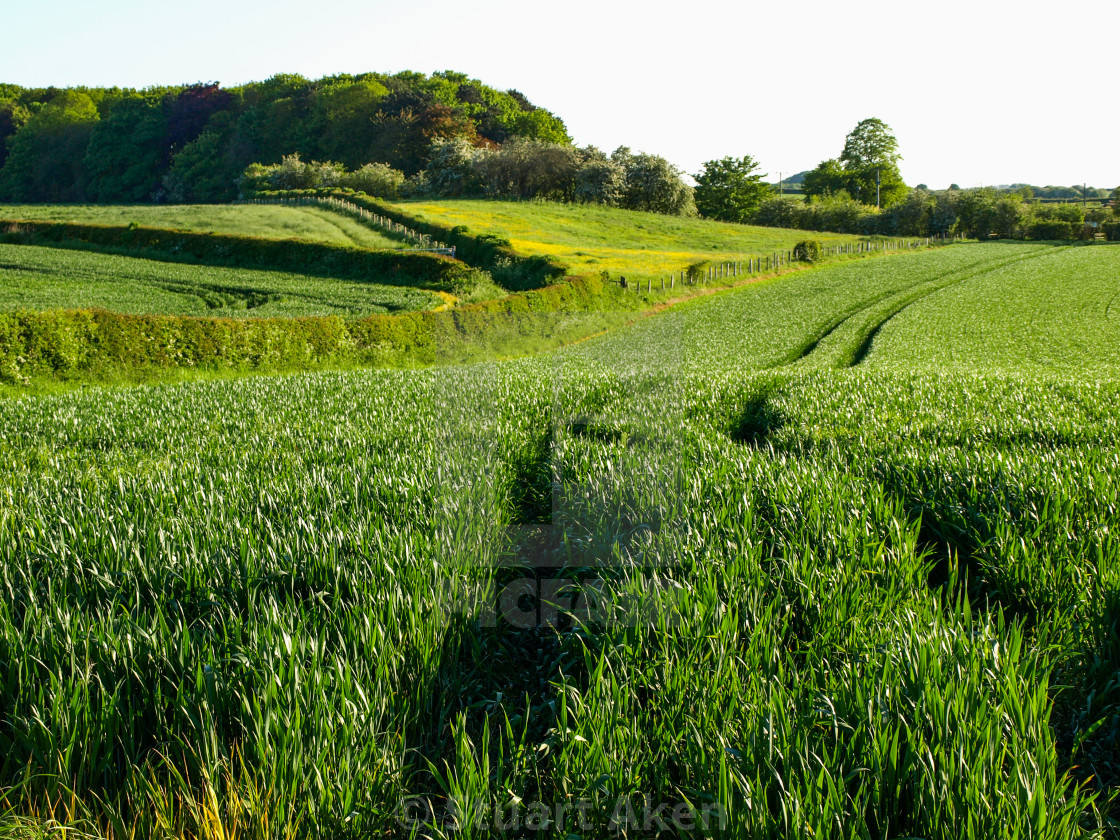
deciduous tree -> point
(730, 189)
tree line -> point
(447, 135)
(862, 192)
(193, 142)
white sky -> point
(977, 91)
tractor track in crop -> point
(863, 348)
(806, 348)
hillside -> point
(314, 224)
(36, 278)
(591, 238)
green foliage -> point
(13, 116)
(191, 143)
(600, 180)
(867, 169)
(1051, 229)
(202, 171)
(291, 174)
(882, 184)
(839, 213)
(653, 184)
(452, 169)
(730, 189)
(374, 179)
(698, 271)
(808, 250)
(125, 155)
(524, 168)
(45, 159)
(870, 144)
(829, 178)
(343, 109)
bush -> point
(376, 179)
(291, 173)
(1051, 229)
(1111, 231)
(808, 250)
(698, 271)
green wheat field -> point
(833, 554)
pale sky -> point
(977, 91)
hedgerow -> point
(489, 253)
(395, 268)
(83, 344)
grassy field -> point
(272, 221)
(589, 238)
(832, 555)
(47, 278)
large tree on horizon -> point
(867, 168)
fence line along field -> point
(312, 223)
(739, 563)
(591, 239)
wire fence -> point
(712, 272)
(422, 241)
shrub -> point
(375, 179)
(1051, 229)
(808, 250)
(698, 271)
(1111, 231)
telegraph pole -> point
(781, 185)
(878, 181)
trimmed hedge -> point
(1051, 230)
(513, 272)
(1111, 231)
(393, 268)
(97, 344)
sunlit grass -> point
(271, 221)
(33, 277)
(591, 239)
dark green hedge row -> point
(513, 272)
(1057, 229)
(97, 344)
(394, 268)
(1111, 231)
